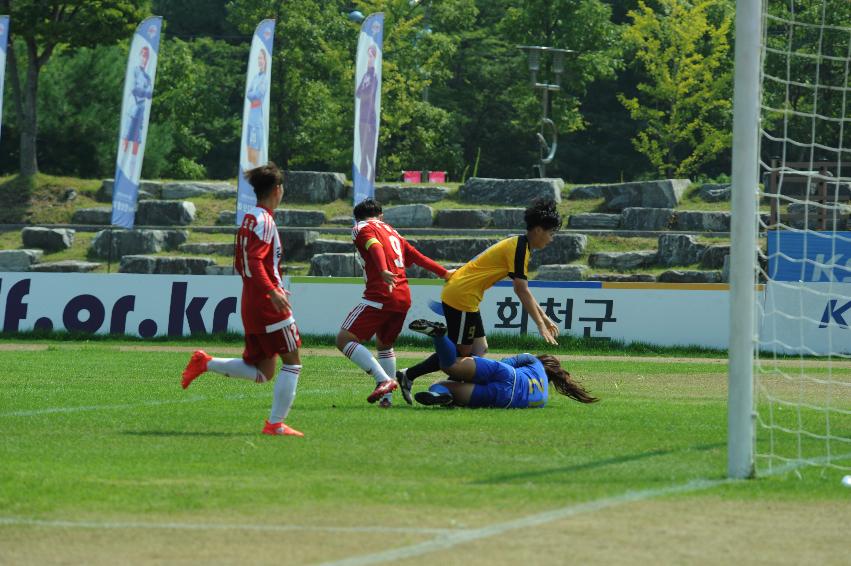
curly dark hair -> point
(367, 208)
(543, 213)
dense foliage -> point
(456, 91)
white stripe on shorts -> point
(353, 316)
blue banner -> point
(135, 112)
(4, 39)
(367, 106)
(809, 255)
(254, 147)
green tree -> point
(44, 25)
(684, 102)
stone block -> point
(512, 192)
(313, 186)
(226, 218)
(622, 261)
(220, 270)
(208, 248)
(592, 220)
(622, 277)
(100, 216)
(805, 216)
(509, 218)
(712, 192)
(335, 265)
(463, 218)
(665, 193)
(19, 260)
(65, 266)
(409, 216)
(147, 190)
(561, 272)
(404, 194)
(47, 239)
(647, 219)
(297, 245)
(179, 190)
(165, 265)
(713, 257)
(586, 193)
(113, 244)
(329, 246)
(165, 213)
(452, 249)
(679, 249)
(699, 221)
(689, 276)
(564, 248)
(417, 272)
(300, 218)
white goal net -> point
(802, 365)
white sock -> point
(387, 361)
(284, 395)
(364, 360)
(236, 367)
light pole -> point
(535, 54)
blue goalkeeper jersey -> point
(518, 382)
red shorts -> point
(260, 347)
(365, 321)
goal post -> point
(743, 239)
(789, 394)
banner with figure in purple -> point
(254, 148)
(4, 39)
(367, 106)
(135, 112)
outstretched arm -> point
(415, 256)
(546, 327)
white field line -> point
(470, 535)
(22, 521)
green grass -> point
(93, 432)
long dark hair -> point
(560, 378)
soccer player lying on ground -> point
(270, 330)
(519, 382)
(463, 294)
(386, 299)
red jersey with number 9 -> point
(375, 232)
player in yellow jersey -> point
(463, 293)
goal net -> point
(802, 350)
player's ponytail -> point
(561, 380)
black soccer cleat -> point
(431, 398)
(428, 327)
(405, 386)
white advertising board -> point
(158, 305)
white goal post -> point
(789, 395)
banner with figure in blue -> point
(4, 39)
(135, 111)
(367, 106)
(254, 148)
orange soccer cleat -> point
(280, 429)
(196, 366)
(382, 389)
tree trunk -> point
(29, 118)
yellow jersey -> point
(507, 258)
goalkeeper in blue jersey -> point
(518, 382)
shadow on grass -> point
(525, 476)
(182, 433)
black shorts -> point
(463, 327)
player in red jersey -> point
(270, 330)
(386, 299)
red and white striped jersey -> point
(257, 258)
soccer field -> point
(105, 459)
